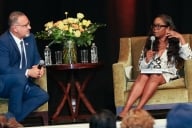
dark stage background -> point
(123, 18)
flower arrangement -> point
(78, 29)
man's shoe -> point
(3, 121)
(12, 123)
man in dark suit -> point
(19, 65)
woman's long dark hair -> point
(173, 49)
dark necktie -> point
(23, 61)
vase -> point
(69, 52)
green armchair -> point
(167, 95)
(41, 111)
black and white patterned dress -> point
(161, 62)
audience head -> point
(180, 116)
(103, 119)
(137, 118)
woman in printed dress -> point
(167, 52)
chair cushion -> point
(178, 83)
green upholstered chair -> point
(167, 95)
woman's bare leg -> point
(150, 88)
(135, 92)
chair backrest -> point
(131, 47)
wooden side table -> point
(72, 86)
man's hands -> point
(34, 72)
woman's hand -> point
(149, 55)
(171, 34)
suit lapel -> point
(14, 44)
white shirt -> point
(18, 42)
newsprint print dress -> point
(169, 70)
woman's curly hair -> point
(137, 118)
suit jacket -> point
(10, 56)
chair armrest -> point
(188, 77)
(119, 83)
(42, 82)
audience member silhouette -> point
(103, 119)
(180, 116)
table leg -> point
(65, 97)
(82, 87)
(83, 98)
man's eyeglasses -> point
(24, 25)
(158, 26)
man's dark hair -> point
(103, 119)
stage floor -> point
(159, 123)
